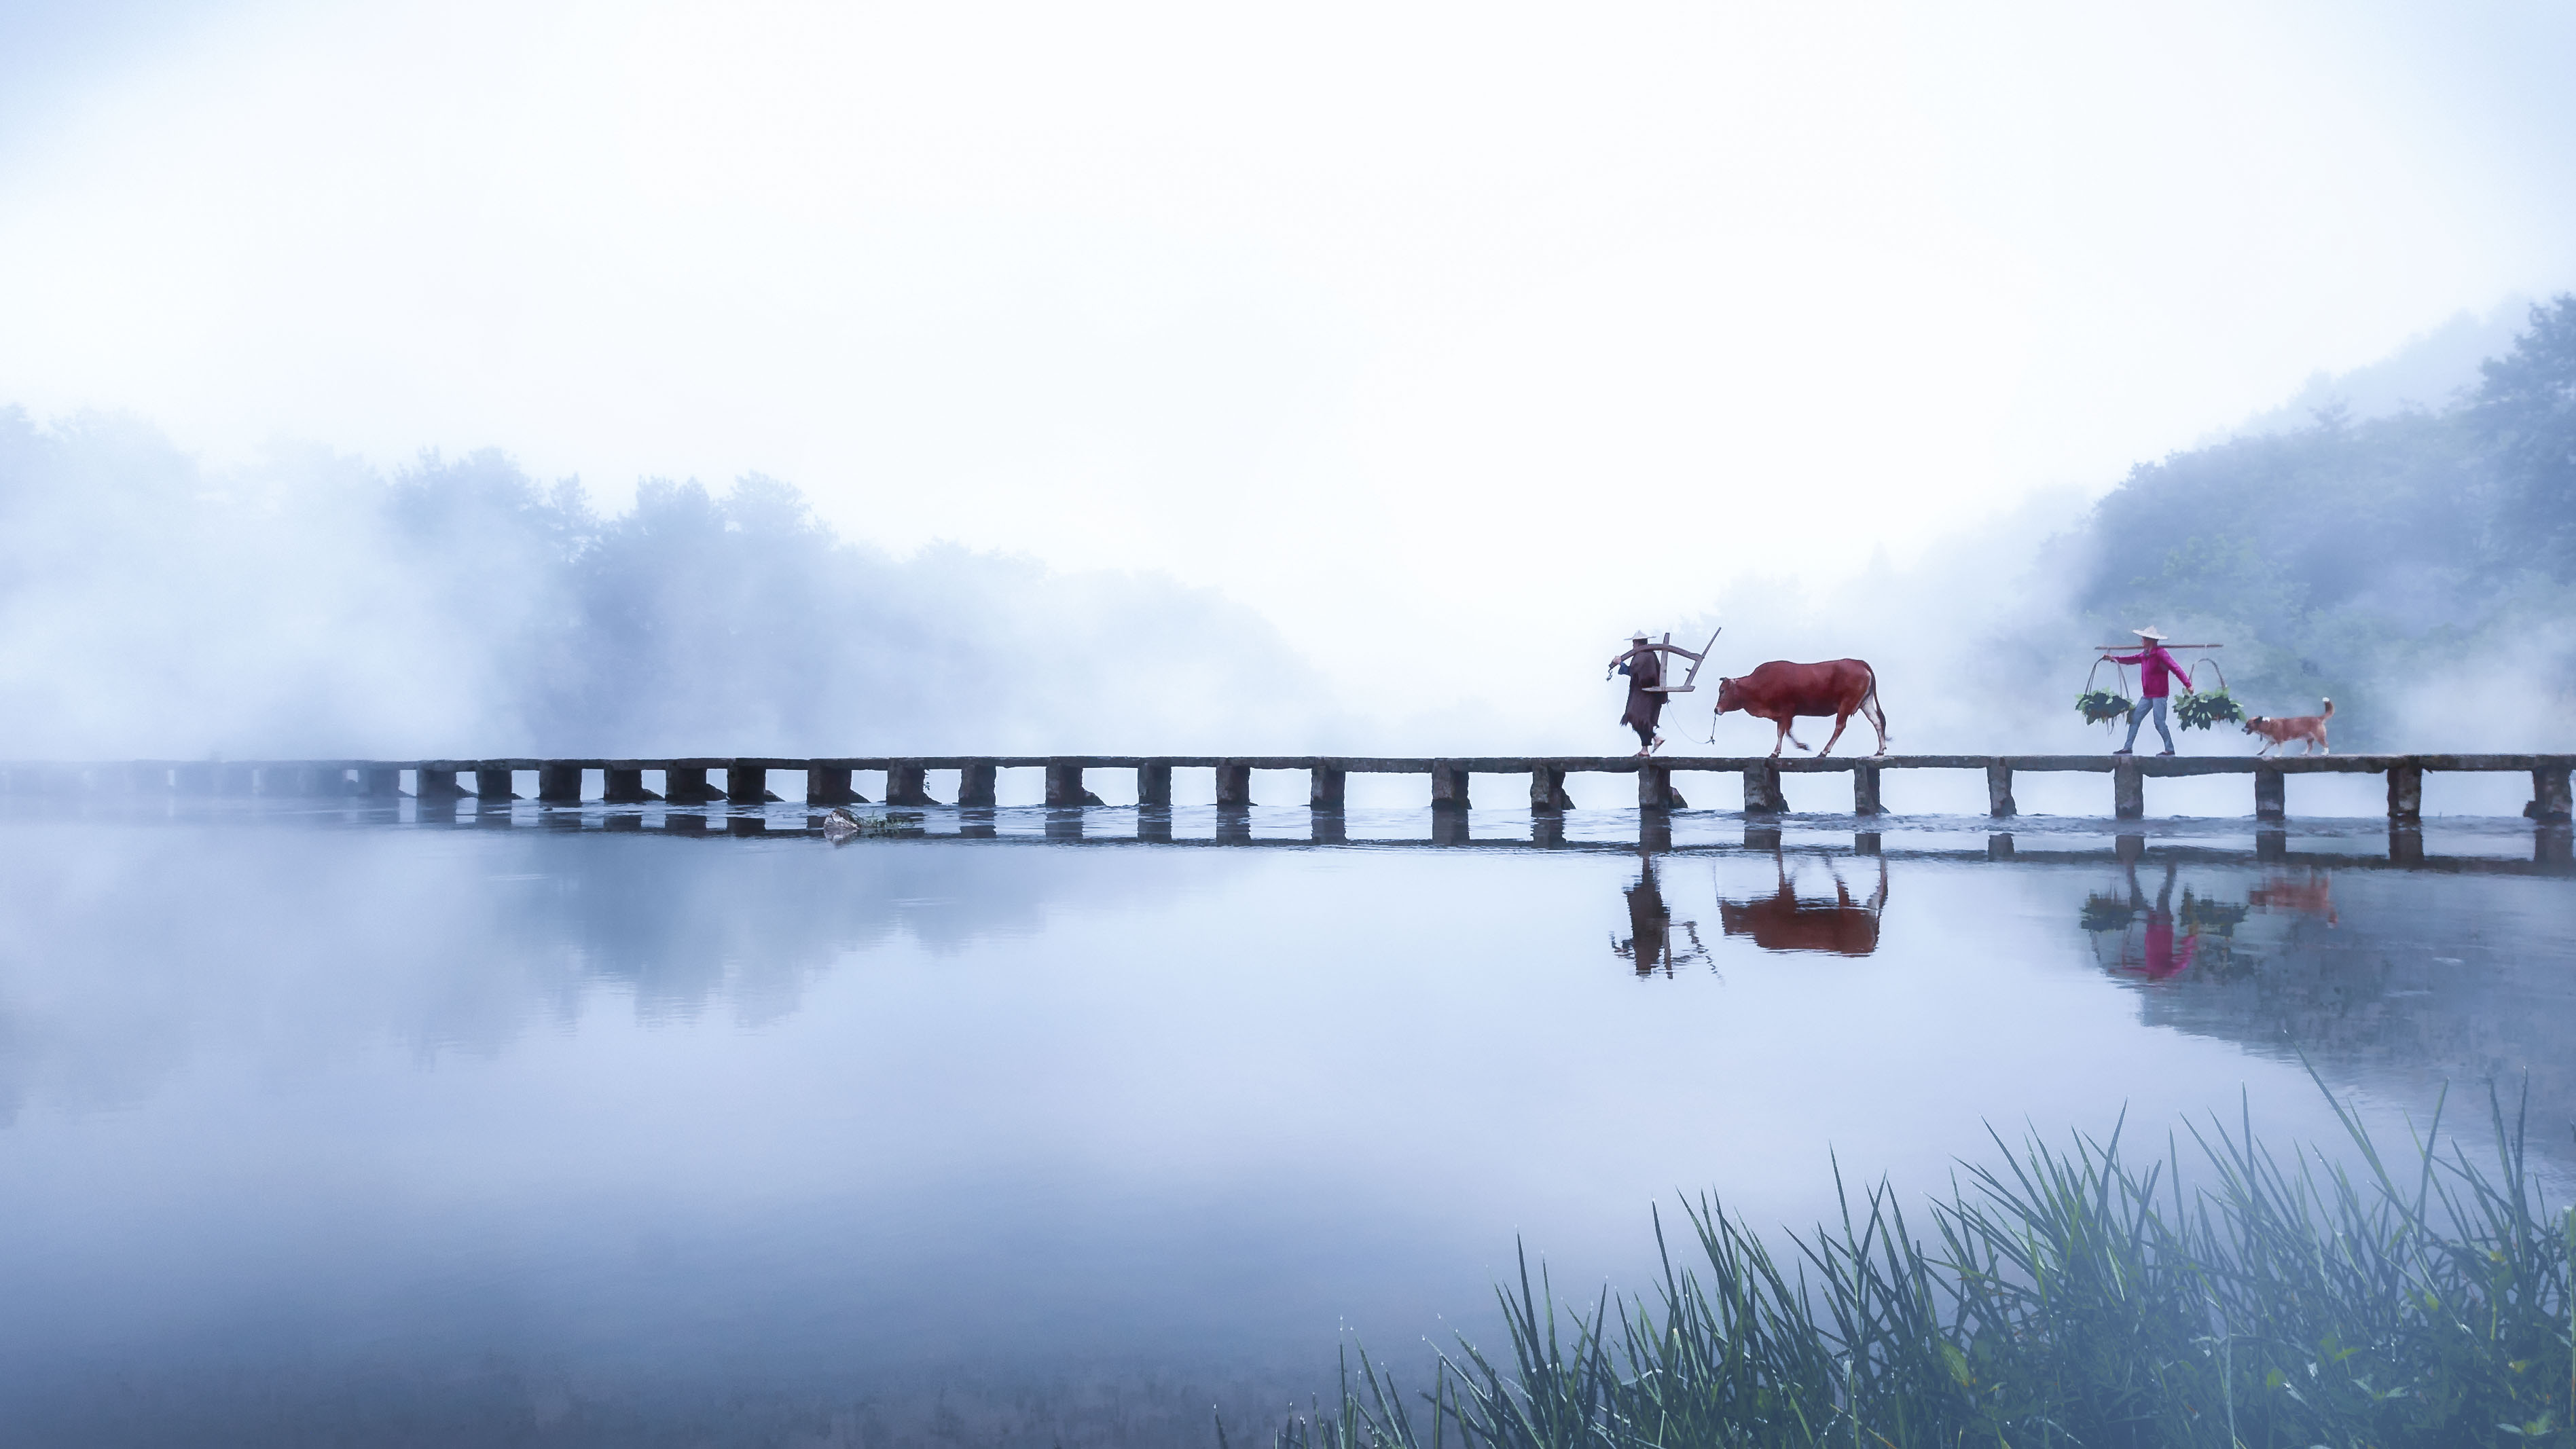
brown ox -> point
(1782, 922)
(1781, 692)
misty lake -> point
(575, 1126)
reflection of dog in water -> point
(1650, 930)
(2313, 896)
(2277, 731)
(1782, 922)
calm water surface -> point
(570, 1128)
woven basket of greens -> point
(2202, 708)
(2101, 706)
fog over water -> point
(336, 1120)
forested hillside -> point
(310, 606)
(2410, 566)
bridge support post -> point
(1865, 799)
(194, 779)
(687, 785)
(2271, 793)
(1154, 786)
(380, 782)
(1326, 786)
(559, 783)
(492, 785)
(1547, 791)
(975, 784)
(2128, 789)
(229, 780)
(829, 785)
(1762, 793)
(2550, 802)
(435, 782)
(1999, 795)
(1655, 788)
(1233, 786)
(1064, 786)
(2405, 791)
(748, 784)
(624, 785)
(908, 783)
(1448, 785)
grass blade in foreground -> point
(2067, 1297)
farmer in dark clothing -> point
(1644, 666)
(2156, 672)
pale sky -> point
(1502, 325)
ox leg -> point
(1840, 720)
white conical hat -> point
(2150, 632)
(1640, 634)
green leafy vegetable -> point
(2101, 705)
(2206, 708)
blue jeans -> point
(2140, 712)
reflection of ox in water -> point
(1782, 693)
(1782, 921)
(1650, 929)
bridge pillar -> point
(433, 782)
(1999, 796)
(1999, 847)
(1655, 788)
(2550, 802)
(2271, 793)
(908, 783)
(1064, 786)
(380, 782)
(1865, 800)
(1325, 788)
(687, 785)
(2128, 789)
(1233, 786)
(194, 779)
(491, 785)
(1448, 785)
(2405, 790)
(829, 785)
(975, 784)
(1154, 785)
(748, 784)
(1762, 793)
(1547, 791)
(230, 779)
(558, 783)
(624, 785)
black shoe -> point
(2122, 752)
(2161, 754)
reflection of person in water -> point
(2162, 959)
(1650, 928)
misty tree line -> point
(308, 606)
(2357, 558)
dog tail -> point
(2329, 714)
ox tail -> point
(1872, 710)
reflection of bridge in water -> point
(833, 781)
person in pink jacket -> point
(2157, 670)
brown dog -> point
(2279, 732)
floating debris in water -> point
(840, 825)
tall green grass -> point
(2067, 1297)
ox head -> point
(1729, 697)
